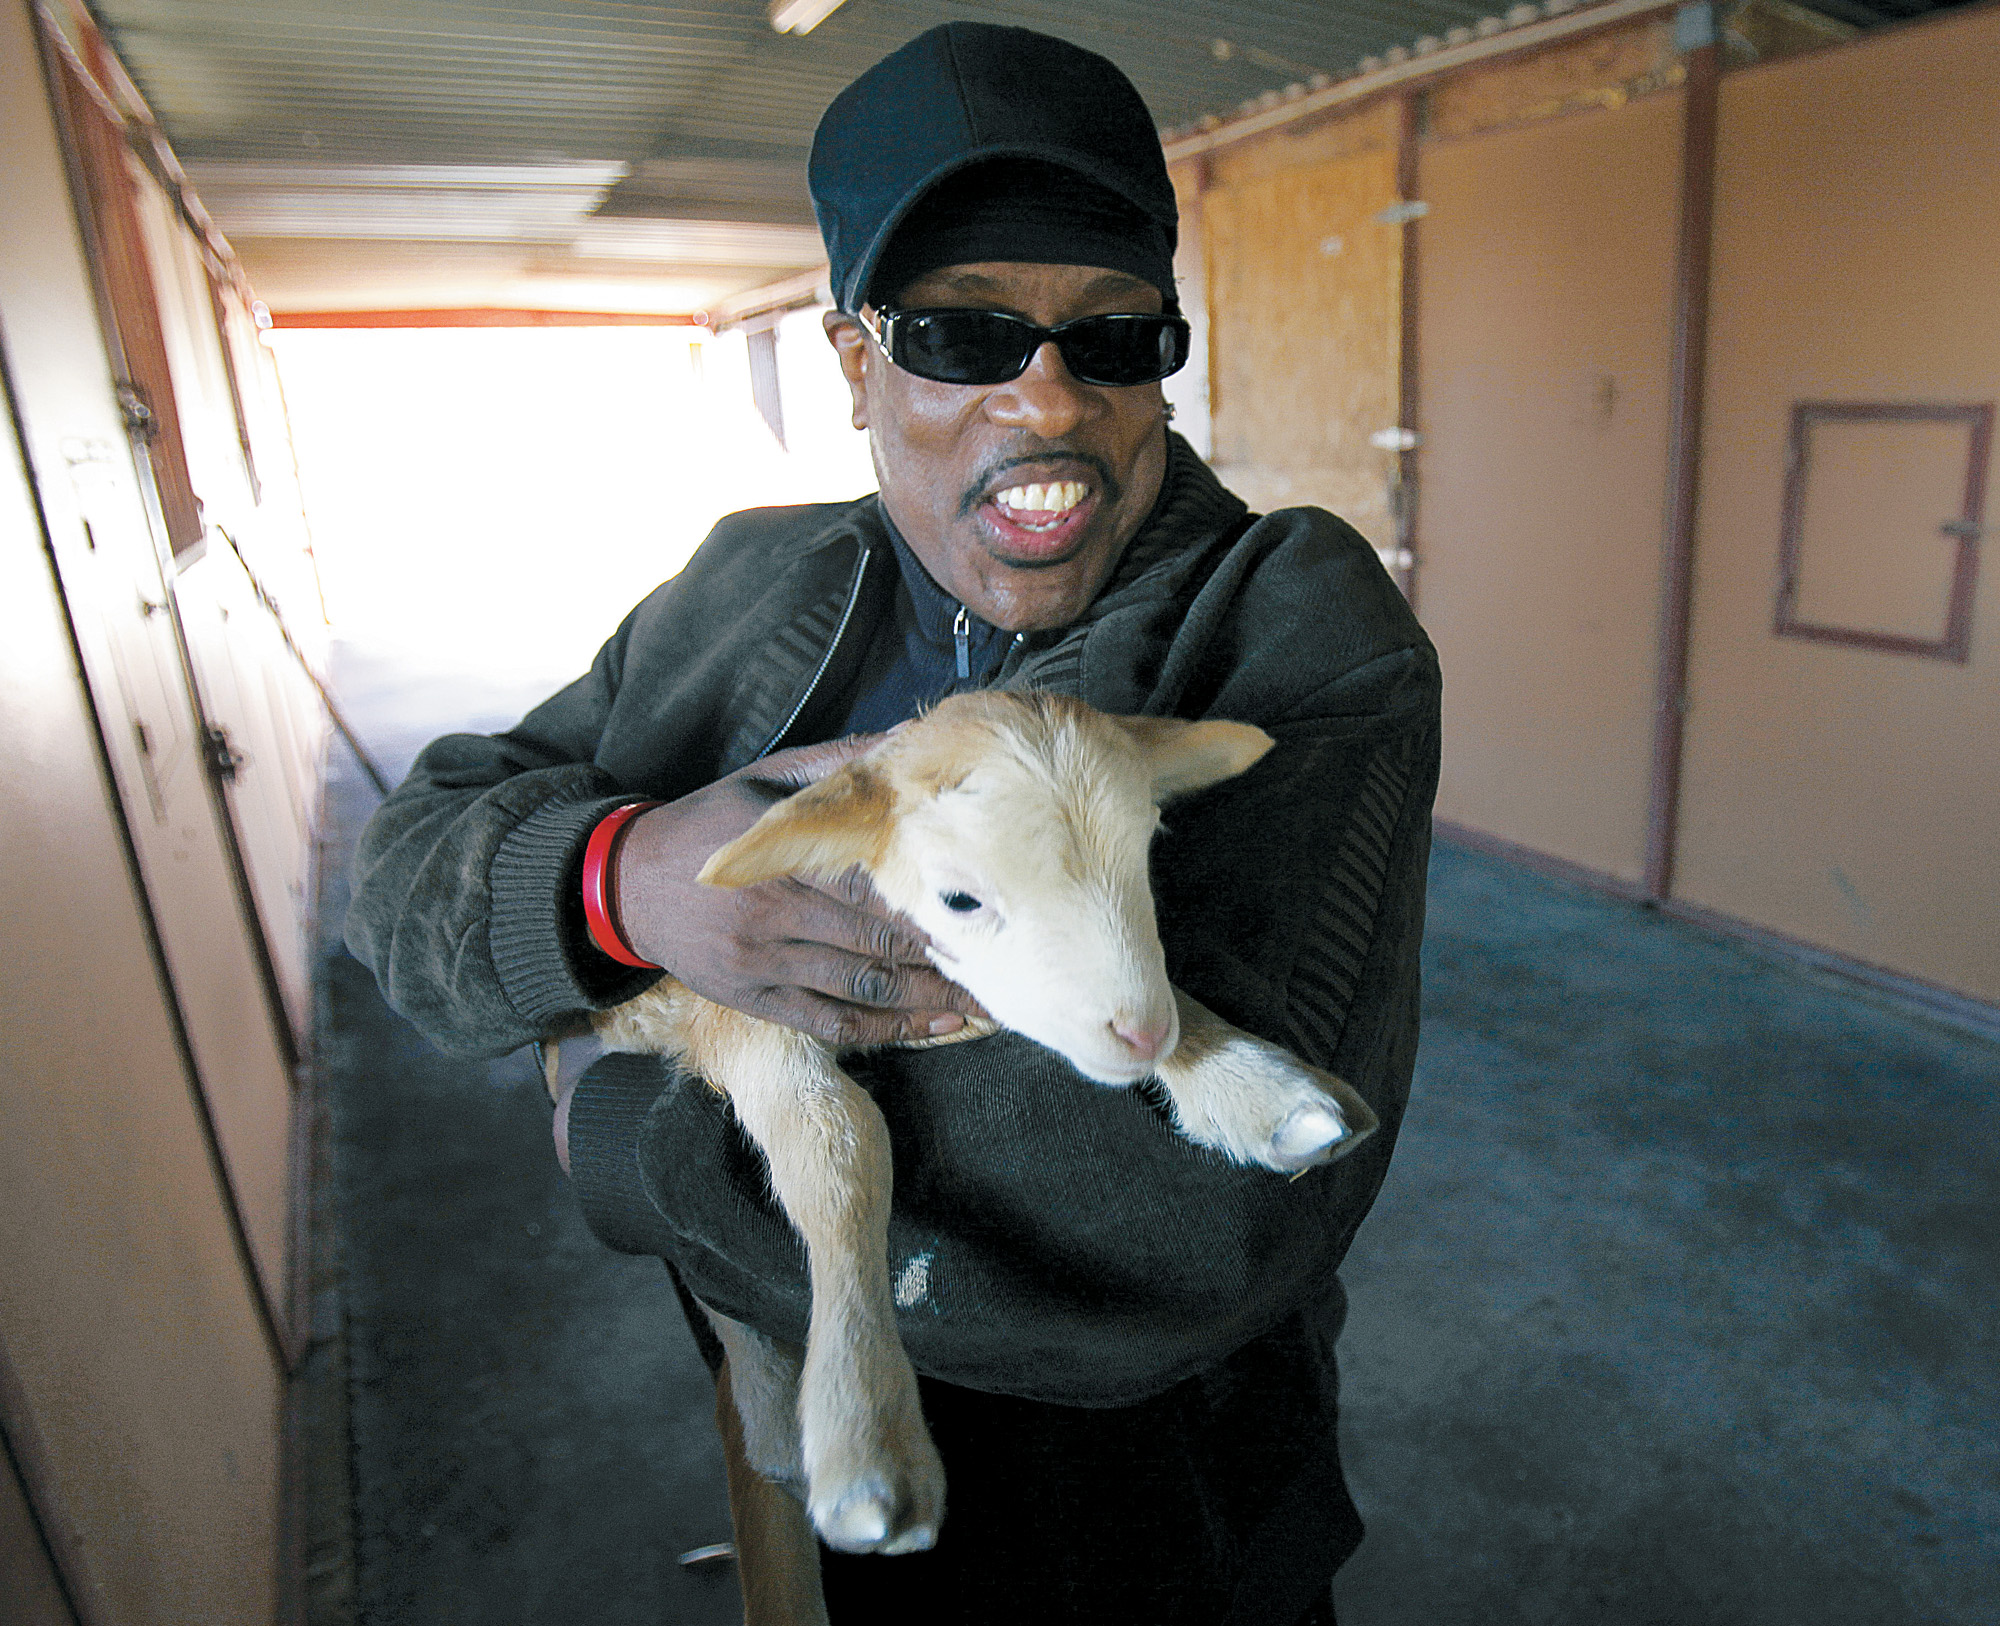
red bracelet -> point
(600, 884)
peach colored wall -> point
(132, 621)
(148, 1398)
(1843, 795)
(1545, 294)
(138, 1385)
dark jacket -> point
(1072, 1247)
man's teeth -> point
(1057, 497)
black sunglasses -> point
(952, 346)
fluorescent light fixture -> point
(801, 16)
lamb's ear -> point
(824, 830)
(1188, 756)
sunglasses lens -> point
(990, 347)
(1120, 350)
(963, 347)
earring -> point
(1167, 411)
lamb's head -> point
(1014, 829)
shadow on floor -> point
(1678, 1307)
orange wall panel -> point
(129, 619)
(1545, 286)
(139, 1385)
(1847, 796)
(127, 1324)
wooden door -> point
(104, 492)
(1842, 779)
(1546, 293)
(249, 688)
(139, 1387)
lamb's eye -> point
(960, 903)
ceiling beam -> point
(1501, 40)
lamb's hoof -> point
(866, 1519)
(877, 1479)
(1309, 1136)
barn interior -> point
(1654, 347)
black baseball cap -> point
(1002, 110)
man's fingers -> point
(828, 914)
(856, 889)
(853, 888)
(855, 979)
(844, 1026)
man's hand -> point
(828, 959)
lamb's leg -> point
(777, 1559)
(764, 1385)
(1256, 1100)
(874, 1482)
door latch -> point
(141, 422)
(220, 754)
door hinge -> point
(220, 754)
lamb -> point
(1014, 829)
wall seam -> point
(1687, 382)
(1409, 406)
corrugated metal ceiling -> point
(605, 138)
(471, 81)
(606, 132)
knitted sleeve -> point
(463, 901)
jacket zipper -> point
(961, 640)
(826, 656)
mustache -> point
(989, 477)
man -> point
(1127, 1344)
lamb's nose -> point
(1144, 1039)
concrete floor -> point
(1679, 1305)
